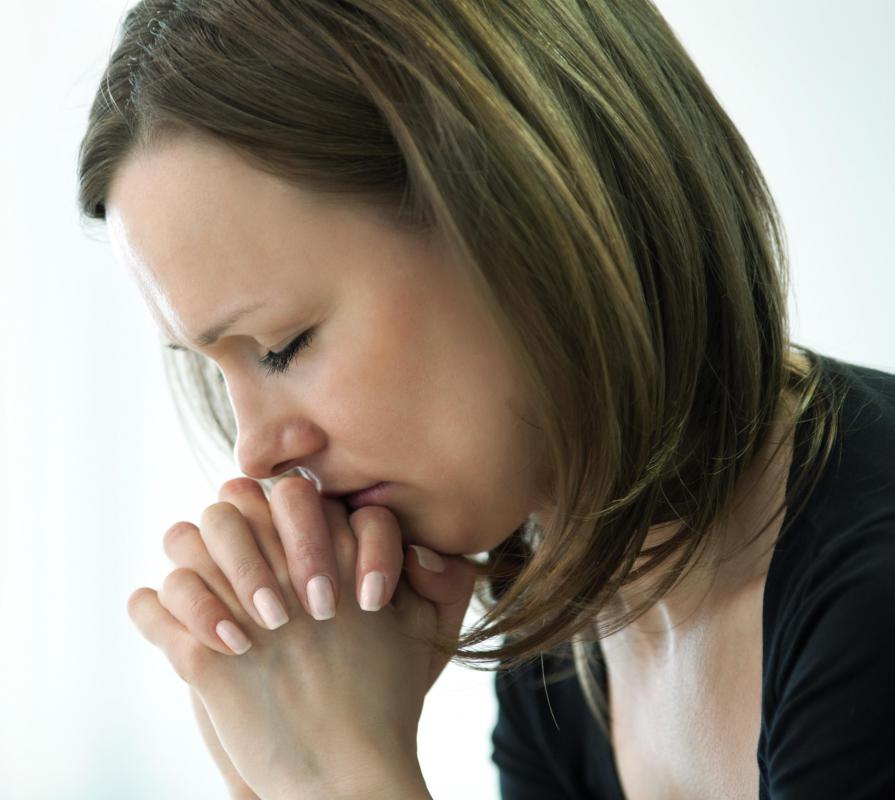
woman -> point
(514, 261)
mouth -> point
(371, 496)
(343, 495)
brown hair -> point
(604, 203)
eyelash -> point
(277, 363)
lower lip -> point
(368, 497)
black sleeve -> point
(524, 767)
(539, 743)
(833, 732)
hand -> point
(447, 587)
(236, 786)
(292, 671)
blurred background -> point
(95, 466)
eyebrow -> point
(215, 332)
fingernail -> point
(428, 559)
(321, 598)
(270, 608)
(232, 636)
(371, 591)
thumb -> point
(448, 583)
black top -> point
(828, 661)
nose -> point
(266, 449)
(273, 431)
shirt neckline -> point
(800, 445)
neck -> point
(728, 568)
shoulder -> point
(844, 534)
(828, 697)
(839, 550)
(849, 585)
(829, 612)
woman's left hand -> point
(314, 708)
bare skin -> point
(406, 379)
(659, 632)
(685, 679)
(203, 233)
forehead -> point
(202, 232)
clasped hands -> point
(315, 708)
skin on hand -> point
(199, 594)
(406, 379)
(236, 786)
(299, 516)
(353, 348)
(247, 554)
(239, 551)
(254, 555)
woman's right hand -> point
(442, 587)
(238, 788)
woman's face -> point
(405, 379)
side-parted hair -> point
(574, 158)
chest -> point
(691, 732)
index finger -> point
(249, 498)
(298, 515)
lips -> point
(350, 492)
(341, 495)
(372, 496)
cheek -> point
(478, 475)
(366, 400)
(433, 407)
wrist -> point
(406, 788)
(390, 783)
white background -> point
(95, 467)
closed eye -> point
(276, 362)
(279, 362)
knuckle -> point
(134, 601)
(246, 570)
(177, 531)
(202, 605)
(176, 578)
(238, 485)
(309, 551)
(217, 511)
